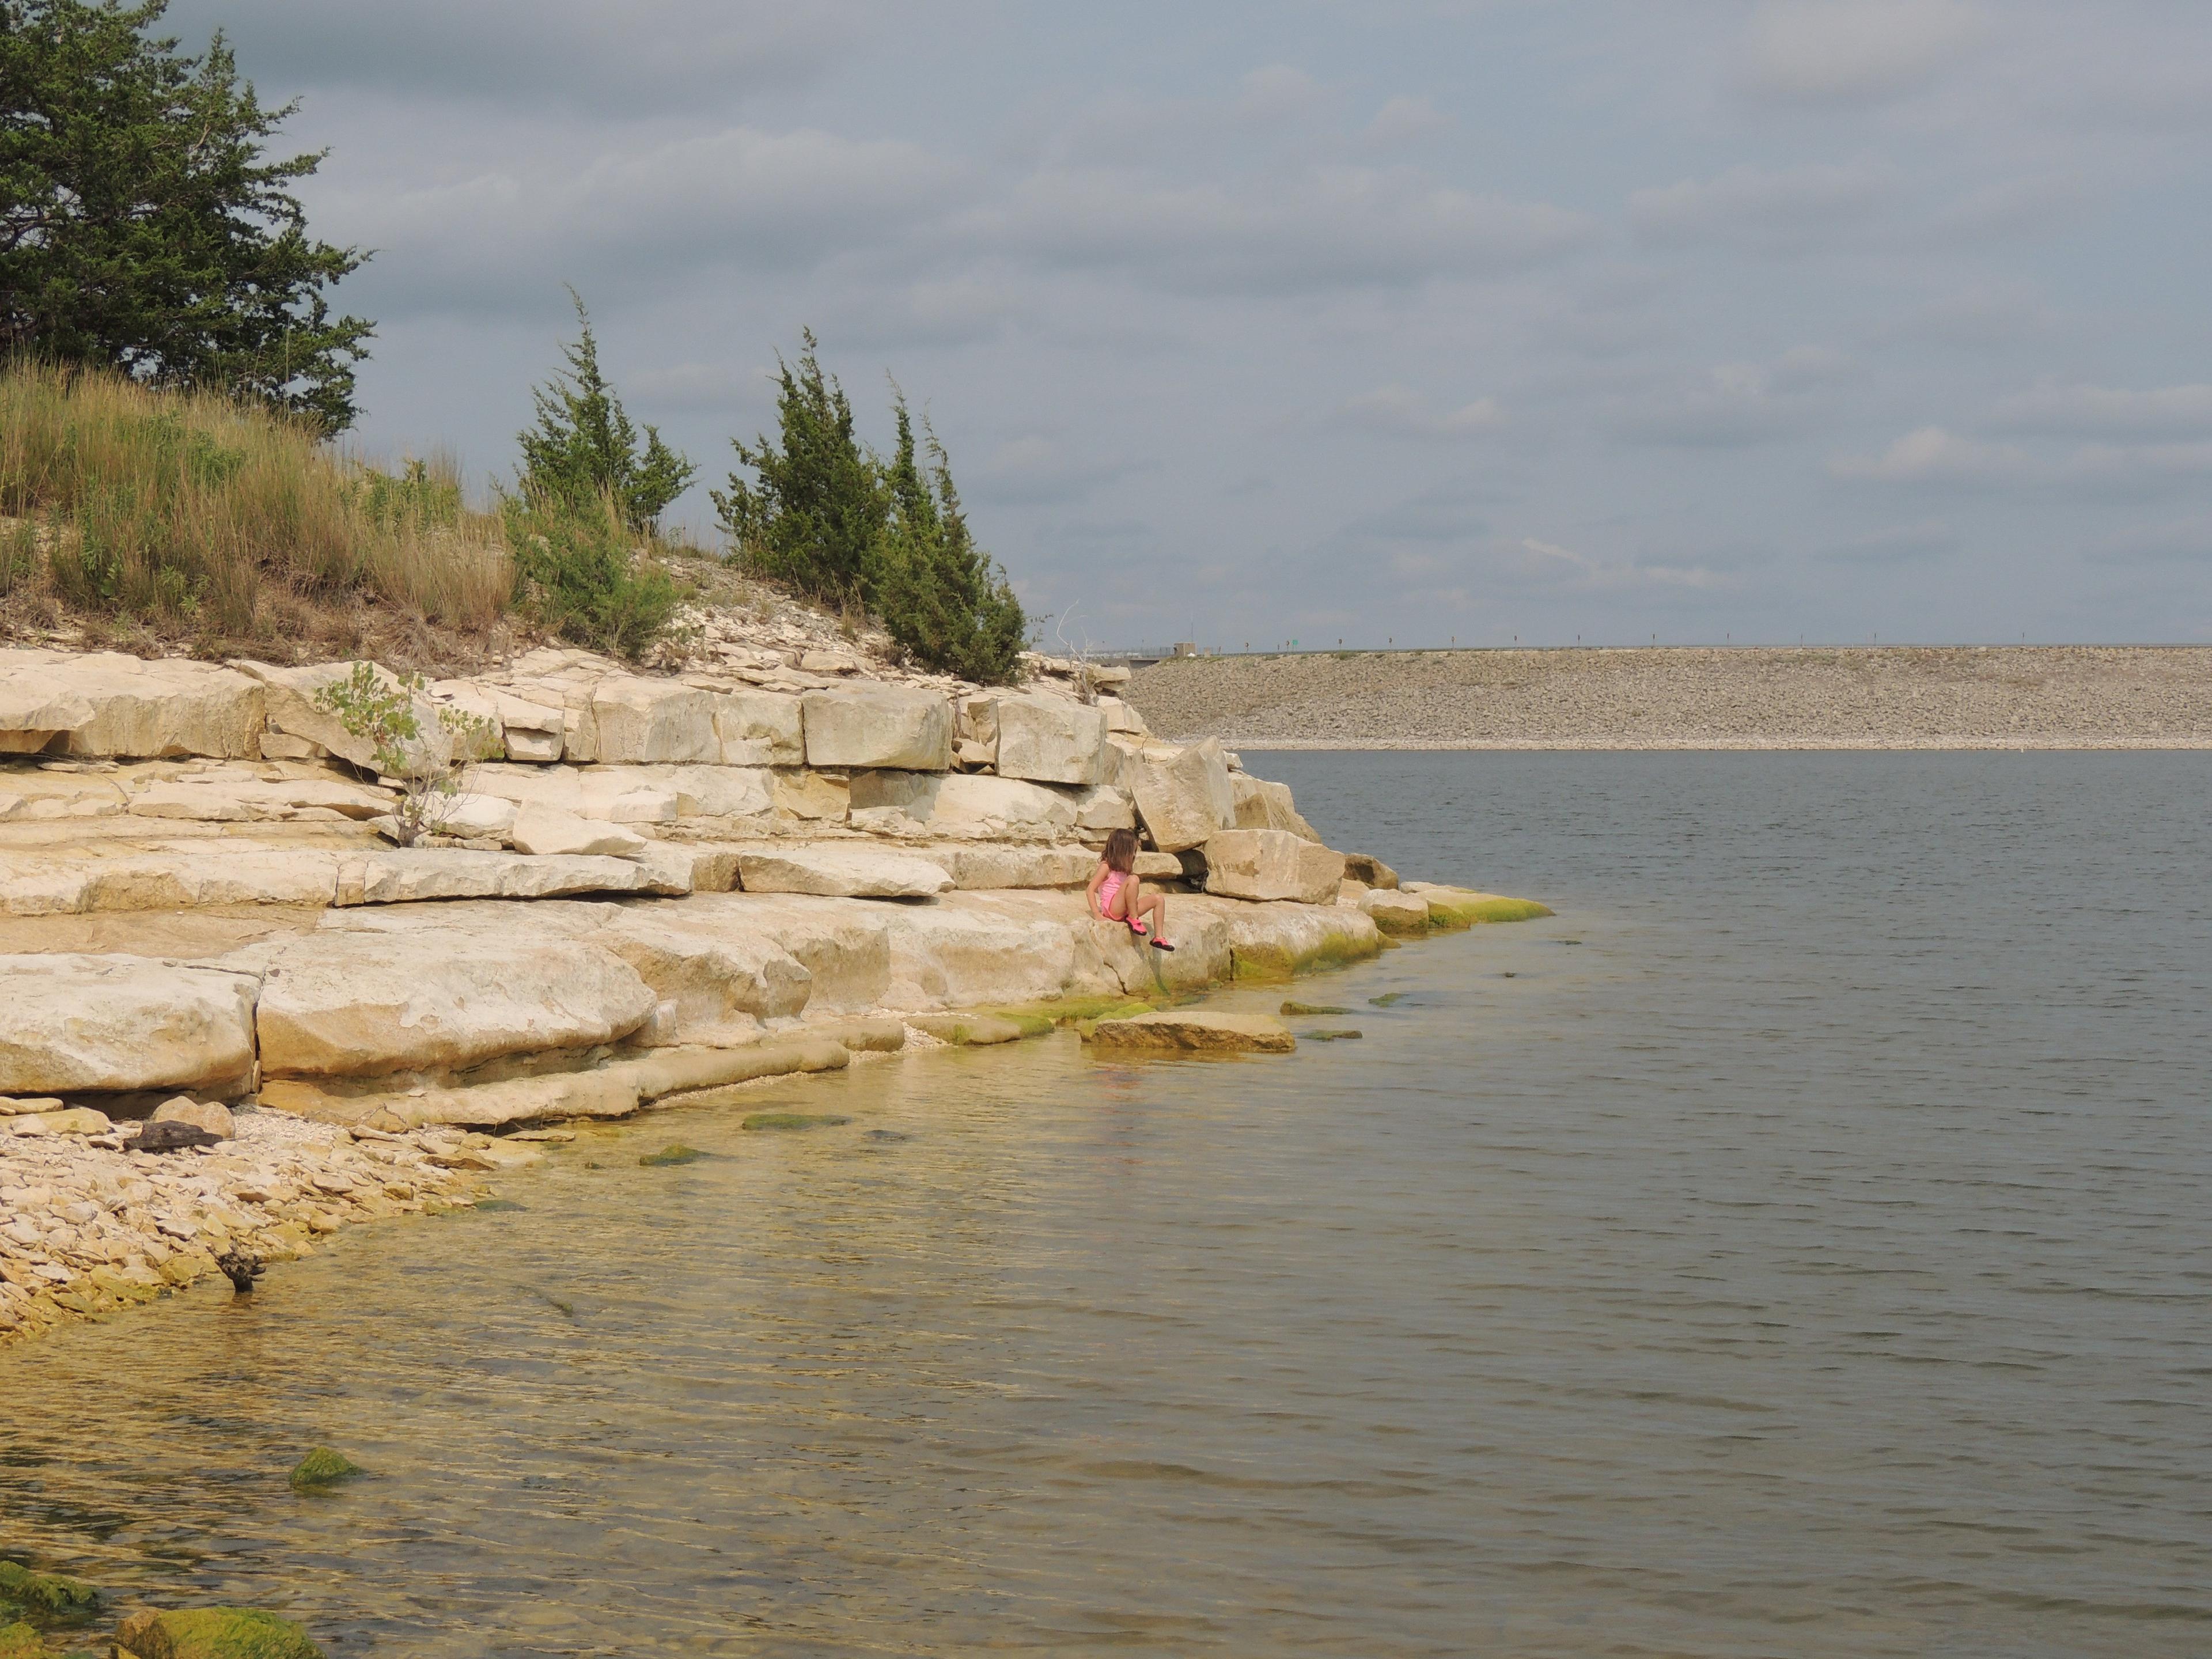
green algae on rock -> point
(1195, 1033)
(967, 1031)
(794, 1120)
(674, 1152)
(43, 1592)
(1312, 1008)
(215, 1634)
(22, 1642)
(1341, 1036)
(322, 1467)
(1388, 999)
(1454, 907)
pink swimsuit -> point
(1110, 889)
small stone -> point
(322, 1467)
(675, 1152)
(210, 1115)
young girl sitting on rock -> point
(1117, 894)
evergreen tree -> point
(141, 226)
(584, 446)
(814, 516)
(942, 597)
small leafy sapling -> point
(430, 768)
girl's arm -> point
(1091, 892)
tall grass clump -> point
(188, 509)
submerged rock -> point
(1312, 1008)
(967, 1031)
(1341, 1036)
(215, 1634)
(794, 1120)
(1195, 1032)
(44, 1592)
(322, 1467)
(1463, 907)
(674, 1152)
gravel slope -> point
(1749, 698)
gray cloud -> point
(1855, 52)
(2073, 410)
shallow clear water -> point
(1797, 1246)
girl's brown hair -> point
(1121, 851)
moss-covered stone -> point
(22, 1642)
(322, 1467)
(967, 1031)
(215, 1634)
(1032, 1022)
(1340, 1036)
(1455, 908)
(1312, 1008)
(44, 1592)
(772, 1120)
(674, 1152)
(1069, 1010)
(1388, 999)
(1270, 962)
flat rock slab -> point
(1195, 1033)
(100, 1023)
(967, 1031)
(841, 872)
(107, 704)
(342, 1003)
(407, 874)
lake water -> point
(1798, 1246)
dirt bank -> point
(1750, 697)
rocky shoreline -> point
(241, 1019)
(1744, 697)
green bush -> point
(584, 446)
(943, 598)
(585, 578)
(813, 518)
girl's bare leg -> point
(1156, 907)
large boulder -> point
(1182, 795)
(348, 1003)
(1394, 912)
(1051, 740)
(643, 722)
(84, 1024)
(878, 726)
(981, 948)
(967, 805)
(759, 728)
(1272, 863)
(840, 871)
(108, 704)
(723, 977)
(1261, 805)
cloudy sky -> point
(1405, 320)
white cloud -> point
(1403, 121)
(2087, 409)
(1909, 543)
(1853, 51)
(1400, 411)
(1933, 455)
(2179, 541)
(1791, 205)
(1279, 94)
(1732, 405)
(1595, 573)
(1330, 227)
(739, 196)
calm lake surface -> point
(1799, 1246)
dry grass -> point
(148, 520)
